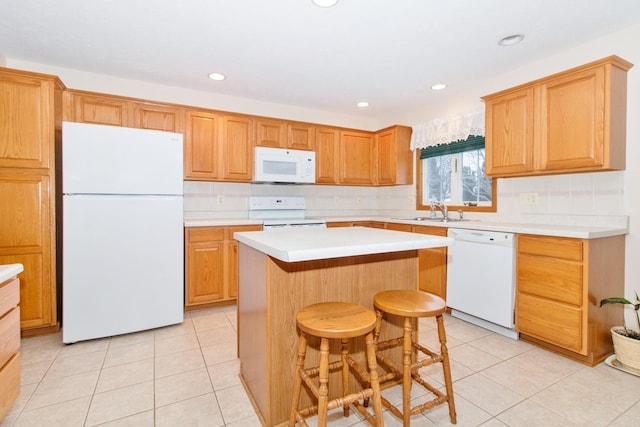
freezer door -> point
(122, 265)
(99, 159)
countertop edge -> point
(7, 271)
(333, 250)
(555, 230)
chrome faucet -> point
(443, 209)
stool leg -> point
(323, 377)
(406, 372)
(297, 383)
(345, 374)
(373, 378)
(446, 368)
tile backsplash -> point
(586, 194)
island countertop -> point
(307, 244)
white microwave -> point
(284, 165)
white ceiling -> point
(387, 52)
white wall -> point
(81, 80)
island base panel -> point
(271, 292)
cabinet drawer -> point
(549, 321)
(204, 234)
(240, 228)
(555, 247)
(9, 384)
(426, 229)
(9, 295)
(555, 279)
(9, 335)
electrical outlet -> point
(528, 198)
(358, 200)
(220, 199)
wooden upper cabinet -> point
(574, 121)
(97, 109)
(301, 136)
(236, 148)
(509, 133)
(271, 133)
(357, 158)
(282, 134)
(27, 106)
(395, 158)
(201, 149)
(576, 109)
(158, 117)
(327, 150)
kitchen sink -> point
(437, 219)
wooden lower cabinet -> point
(559, 284)
(432, 263)
(211, 265)
(9, 344)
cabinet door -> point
(100, 109)
(300, 136)
(271, 133)
(201, 156)
(158, 117)
(236, 148)
(27, 238)
(395, 159)
(231, 282)
(327, 152)
(26, 121)
(357, 158)
(572, 120)
(509, 123)
(432, 264)
(205, 265)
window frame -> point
(420, 206)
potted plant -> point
(626, 341)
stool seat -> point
(407, 303)
(336, 320)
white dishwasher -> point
(481, 279)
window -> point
(454, 174)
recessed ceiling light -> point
(510, 40)
(324, 3)
(217, 76)
(438, 86)
(362, 104)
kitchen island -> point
(284, 271)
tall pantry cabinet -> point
(30, 126)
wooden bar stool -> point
(335, 320)
(411, 305)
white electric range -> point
(281, 213)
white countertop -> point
(320, 243)
(7, 271)
(558, 230)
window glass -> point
(457, 179)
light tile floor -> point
(187, 375)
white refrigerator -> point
(122, 230)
